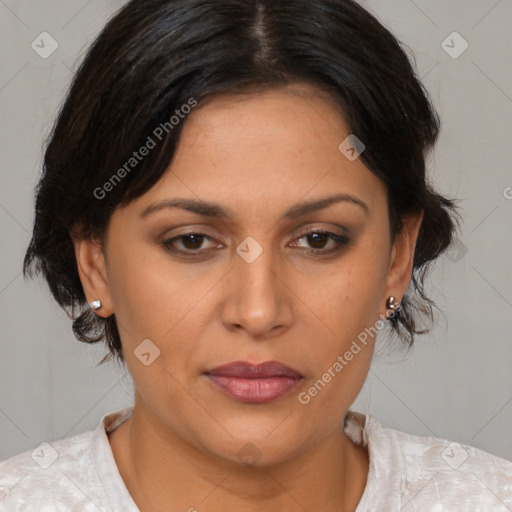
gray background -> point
(455, 384)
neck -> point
(164, 471)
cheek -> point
(337, 384)
(155, 300)
(342, 360)
(144, 296)
(348, 297)
(348, 303)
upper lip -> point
(248, 370)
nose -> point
(258, 300)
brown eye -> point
(192, 241)
(317, 240)
(191, 244)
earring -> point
(391, 304)
(95, 304)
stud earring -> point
(392, 304)
(95, 304)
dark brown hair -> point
(154, 56)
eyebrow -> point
(210, 209)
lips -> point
(249, 371)
(250, 383)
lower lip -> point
(255, 391)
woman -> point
(234, 198)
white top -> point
(407, 473)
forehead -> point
(264, 113)
(272, 148)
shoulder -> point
(51, 475)
(436, 471)
(75, 473)
(439, 471)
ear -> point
(91, 265)
(402, 257)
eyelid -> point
(342, 231)
(302, 232)
(340, 240)
(167, 240)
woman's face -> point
(255, 287)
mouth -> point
(250, 383)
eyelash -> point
(341, 241)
